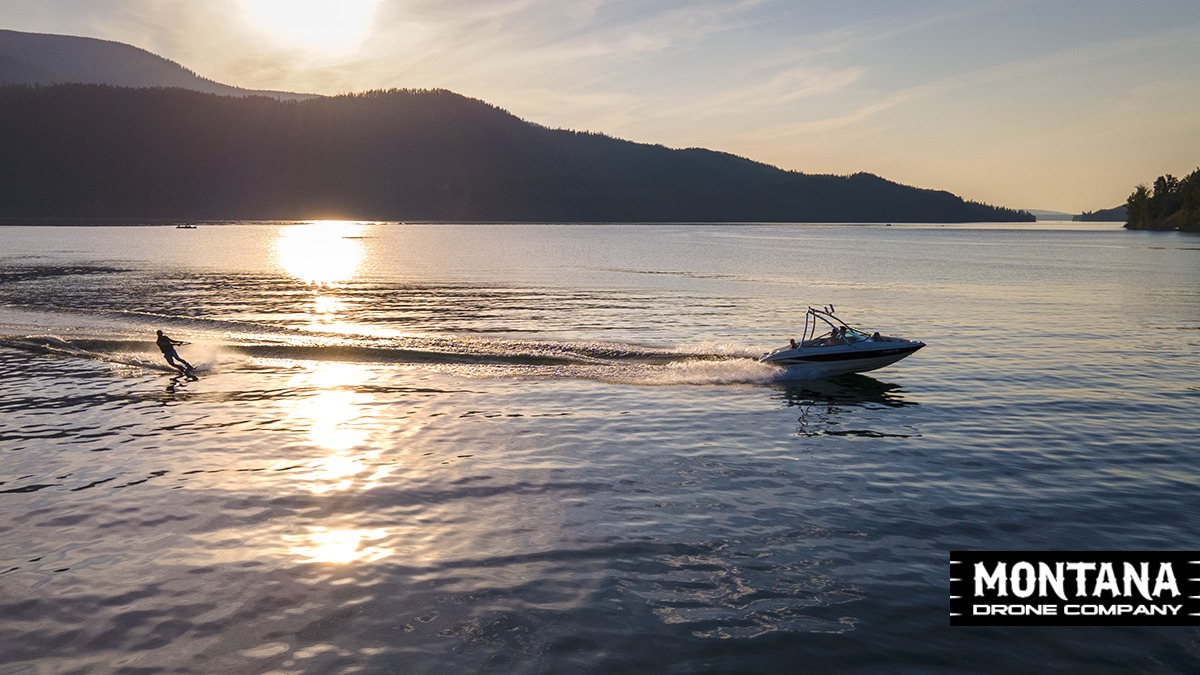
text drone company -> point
(1077, 588)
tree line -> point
(102, 152)
(1170, 204)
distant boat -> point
(185, 226)
(841, 350)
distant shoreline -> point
(148, 222)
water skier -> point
(167, 345)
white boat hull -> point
(822, 362)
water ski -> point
(189, 373)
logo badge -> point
(1074, 588)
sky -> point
(1061, 105)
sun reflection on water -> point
(338, 419)
(332, 416)
(340, 546)
(322, 253)
(328, 306)
(325, 255)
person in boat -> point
(792, 343)
(167, 346)
(835, 337)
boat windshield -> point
(839, 332)
(854, 335)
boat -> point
(185, 226)
(840, 350)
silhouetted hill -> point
(1170, 204)
(1117, 214)
(37, 58)
(87, 151)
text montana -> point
(1079, 579)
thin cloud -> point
(991, 76)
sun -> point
(327, 27)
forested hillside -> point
(1171, 204)
(91, 151)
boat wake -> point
(107, 351)
(220, 345)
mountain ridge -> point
(42, 59)
(103, 151)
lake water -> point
(549, 449)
